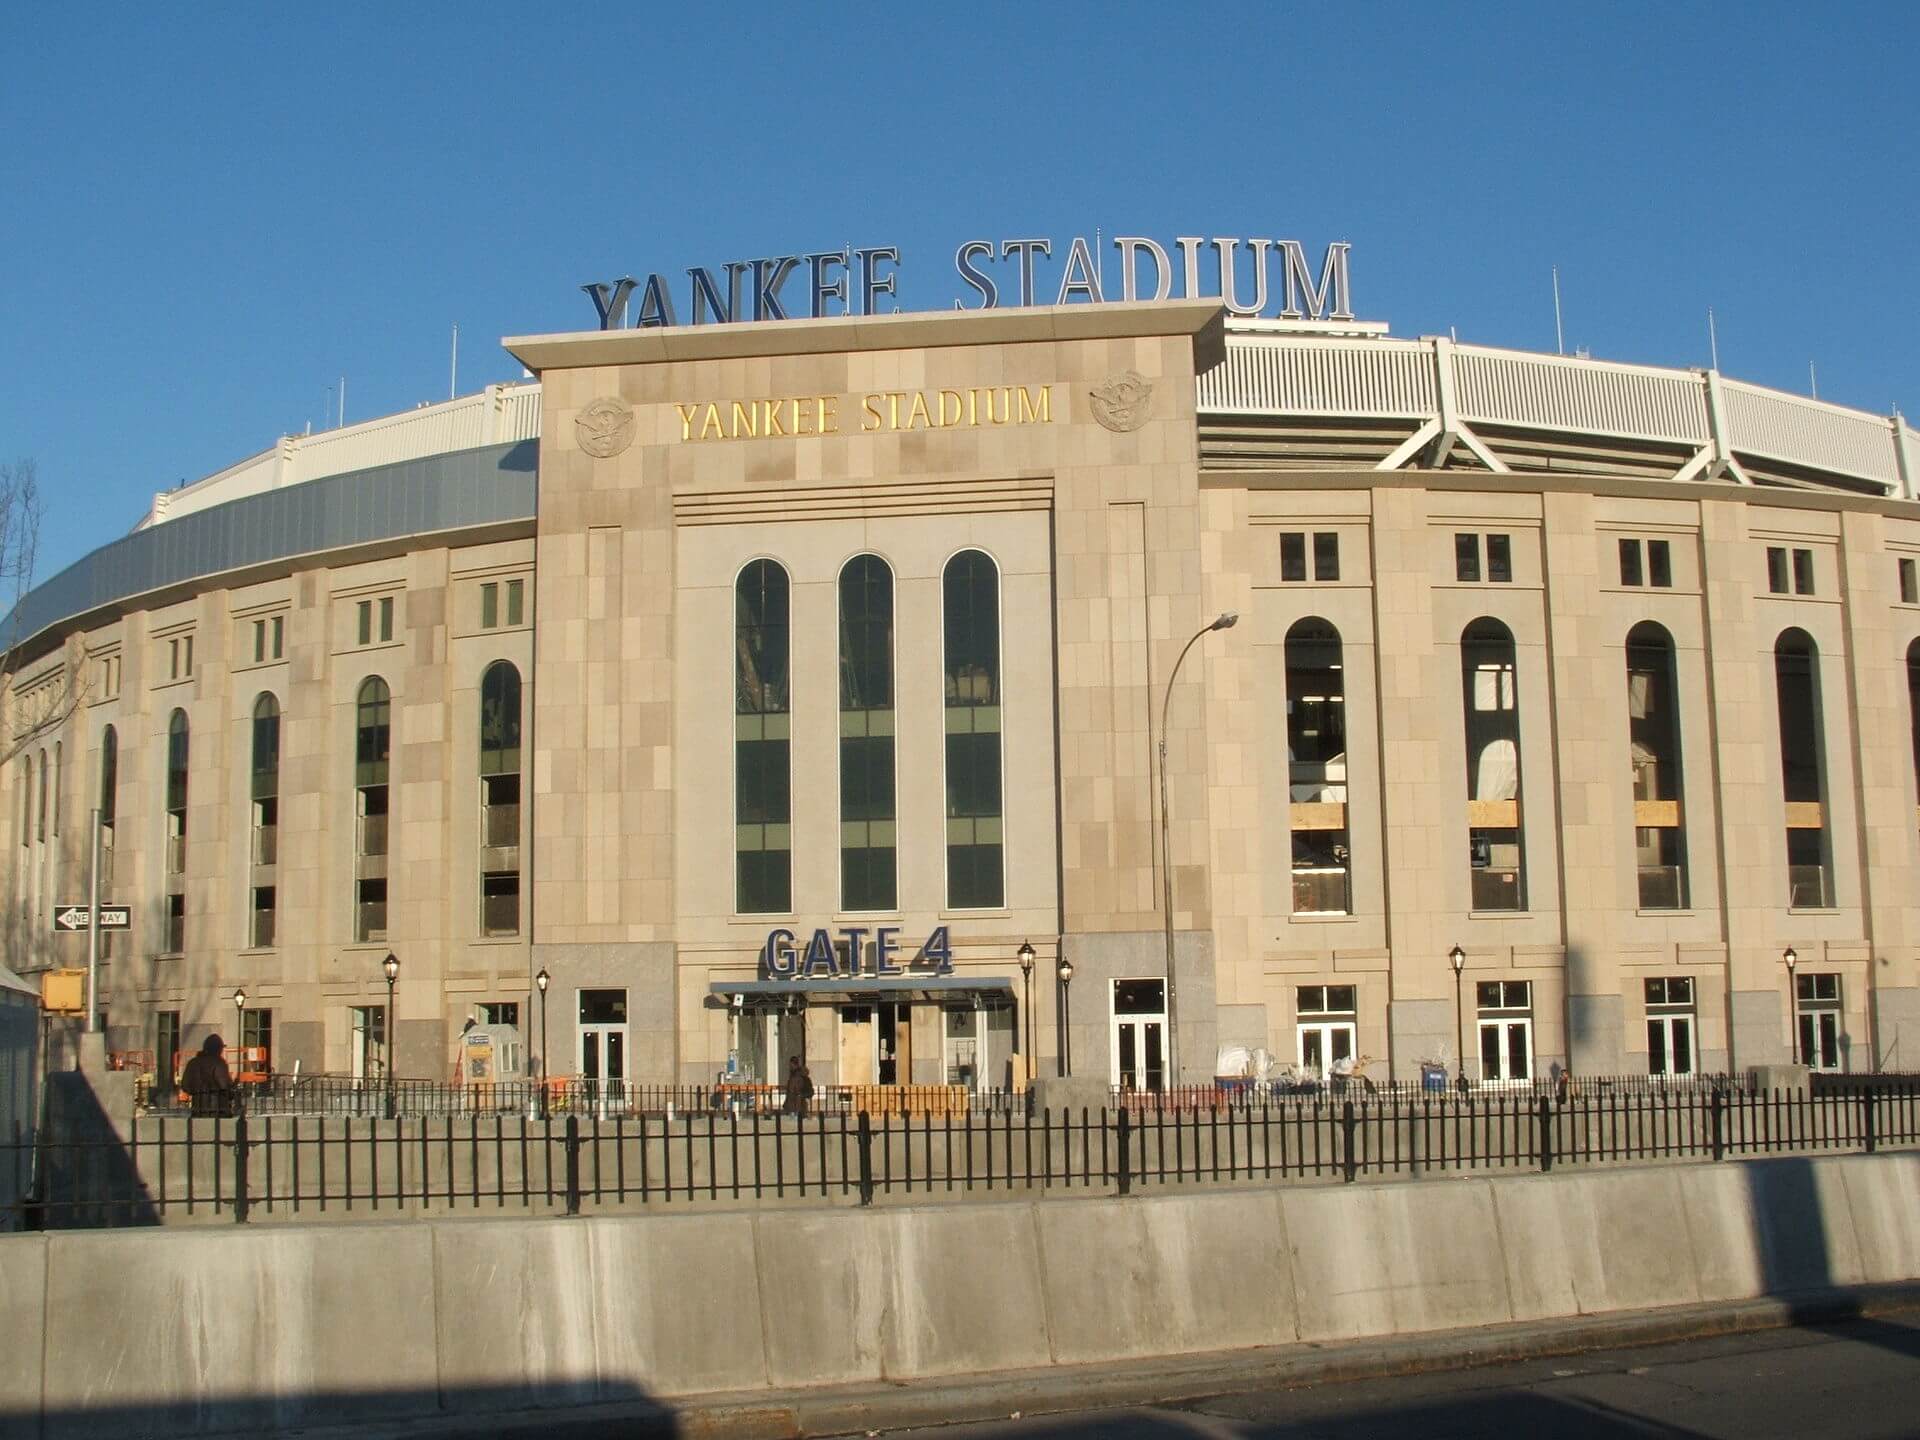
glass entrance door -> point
(1323, 1044)
(1140, 1034)
(603, 1047)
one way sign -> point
(71, 918)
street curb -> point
(1060, 1389)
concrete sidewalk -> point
(1060, 1389)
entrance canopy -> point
(948, 990)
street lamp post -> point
(239, 1029)
(391, 965)
(1793, 1002)
(1026, 974)
(542, 980)
(1064, 970)
(1458, 959)
(1224, 621)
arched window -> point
(109, 776)
(265, 793)
(59, 775)
(373, 748)
(970, 598)
(1489, 683)
(40, 832)
(109, 803)
(1803, 760)
(174, 940)
(1913, 707)
(500, 800)
(1317, 768)
(1653, 731)
(177, 745)
(762, 741)
(266, 751)
(26, 799)
(868, 873)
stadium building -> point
(769, 686)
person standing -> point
(799, 1087)
(208, 1082)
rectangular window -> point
(1293, 555)
(1326, 555)
(259, 641)
(256, 1042)
(1776, 569)
(365, 615)
(173, 658)
(174, 941)
(1909, 583)
(1803, 572)
(167, 1058)
(263, 912)
(1630, 573)
(500, 903)
(279, 636)
(386, 618)
(500, 1012)
(1660, 563)
(1325, 999)
(516, 601)
(1499, 559)
(489, 605)
(1466, 557)
(1324, 1035)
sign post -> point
(93, 932)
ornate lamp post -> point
(1026, 974)
(1793, 1001)
(391, 966)
(1458, 959)
(542, 980)
(239, 1028)
(1064, 970)
(1221, 622)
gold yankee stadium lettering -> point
(880, 411)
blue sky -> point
(214, 212)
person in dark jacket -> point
(207, 1080)
(799, 1087)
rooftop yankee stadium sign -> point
(1250, 277)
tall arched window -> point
(1653, 730)
(1317, 768)
(1913, 708)
(1490, 686)
(264, 790)
(59, 776)
(109, 800)
(868, 873)
(762, 742)
(500, 800)
(174, 940)
(373, 749)
(976, 872)
(1803, 761)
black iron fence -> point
(595, 1099)
(251, 1166)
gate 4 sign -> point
(783, 957)
(69, 919)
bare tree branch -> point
(43, 704)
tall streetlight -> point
(239, 1035)
(1225, 621)
(542, 980)
(1026, 973)
(1064, 971)
(1793, 1002)
(391, 965)
(1458, 959)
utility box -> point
(492, 1053)
(64, 992)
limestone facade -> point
(1113, 547)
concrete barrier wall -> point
(199, 1331)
